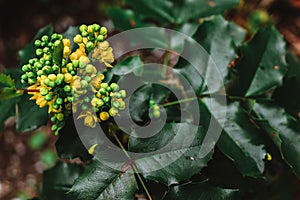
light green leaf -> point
(283, 130)
(101, 182)
(241, 141)
(200, 191)
(262, 66)
(124, 19)
(6, 81)
(175, 153)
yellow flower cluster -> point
(66, 80)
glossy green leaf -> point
(159, 10)
(262, 65)
(27, 121)
(69, 144)
(200, 191)
(128, 65)
(285, 132)
(176, 153)
(58, 180)
(101, 182)
(241, 141)
(6, 81)
(29, 51)
(195, 9)
(220, 38)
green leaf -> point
(58, 180)
(195, 9)
(124, 19)
(27, 121)
(128, 65)
(283, 129)
(29, 51)
(241, 141)
(69, 145)
(48, 157)
(262, 65)
(101, 182)
(159, 10)
(176, 153)
(8, 93)
(200, 191)
(8, 109)
(288, 94)
(6, 81)
(220, 39)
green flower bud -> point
(116, 104)
(55, 67)
(67, 88)
(100, 103)
(31, 61)
(104, 85)
(55, 105)
(103, 31)
(30, 74)
(84, 83)
(23, 82)
(53, 118)
(43, 44)
(60, 76)
(102, 91)
(31, 81)
(47, 56)
(89, 45)
(45, 38)
(115, 87)
(40, 73)
(86, 99)
(117, 95)
(70, 68)
(75, 63)
(25, 68)
(88, 79)
(42, 60)
(96, 27)
(38, 52)
(37, 43)
(59, 101)
(84, 107)
(54, 127)
(83, 27)
(46, 50)
(84, 33)
(51, 84)
(48, 97)
(24, 77)
(123, 93)
(106, 99)
(156, 107)
(57, 43)
(151, 103)
(38, 65)
(113, 112)
(156, 114)
(44, 91)
(100, 38)
(70, 99)
(73, 73)
(50, 44)
(89, 68)
(60, 116)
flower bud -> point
(59, 101)
(103, 31)
(37, 43)
(113, 112)
(60, 116)
(104, 116)
(48, 97)
(38, 52)
(78, 39)
(44, 91)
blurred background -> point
(24, 156)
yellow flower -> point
(96, 82)
(104, 116)
(104, 53)
(89, 119)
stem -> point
(135, 169)
(179, 101)
(166, 64)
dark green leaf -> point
(241, 141)
(29, 50)
(288, 94)
(130, 64)
(30, 116)
(8, 109)
(195, 9)
(58, 180)
(282, 125)
(220, 39)
(174, 153)
(15, 74)
(69, 145)
(200, 191)
(101, 182)
(159, 10)
(262, 65)
(124, 19)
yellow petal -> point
(92, 149)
